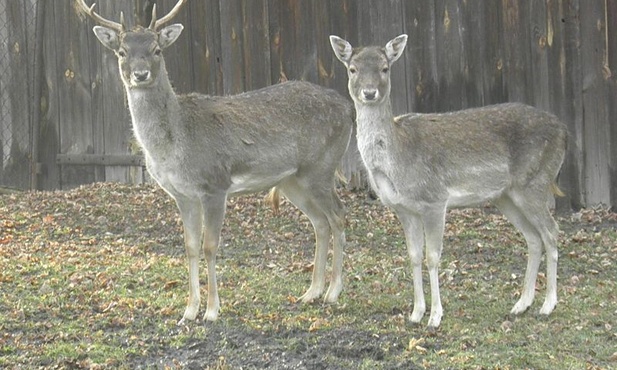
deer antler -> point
(100, 20)
(155, 24)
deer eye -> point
(385, 70)
(158, 52)
(121, 53)
(352, 70)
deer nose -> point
(369, 94)
(141, 76)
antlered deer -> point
(421, 164)
(201, 149)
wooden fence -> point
(558, 55)
(18, 58)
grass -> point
(96, 278)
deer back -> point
(490, 147)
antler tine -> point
(155, 24)
(100, 20)
(152, 25)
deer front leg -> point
(214, 213)
(434, 223)
(191, 213)
(414, 236)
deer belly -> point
(474, 185)
(251, 182)
(460, 197)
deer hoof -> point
(211, 315)
(519, 308)
(311, 295)
(333, 292)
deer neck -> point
(155, 114)
(375, 123)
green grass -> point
(96, 278)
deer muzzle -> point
(369, 95)
(140, 77)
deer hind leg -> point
(336, 218)
(532, 218)
(191, 214)
(303, 197)
(414, 236)
(214, 213)
(547, 227)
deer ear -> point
(169, 34)
(108, 37)
(342, 49)
(394, 48)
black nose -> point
(369, 94)
(141, 76)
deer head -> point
(139, 51)
(368, 71)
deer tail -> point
(340, 176)
(274, 199)
(556, 191)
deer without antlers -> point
(201, 149)
(421, 164)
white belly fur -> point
(250, 183)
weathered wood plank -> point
(74, 99)
(596, 132)
(451, 67)
(421, 57)
(204, 31)
(276, 62)
(295, 54)
(575, 96)
(232, 47)
(561, 34)
(494, 58)
(611, 72)
(323, 29)
(538, 45)
(256, 44)
(98, 95)
(49, 126)
(516, 51)
(474, 51)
